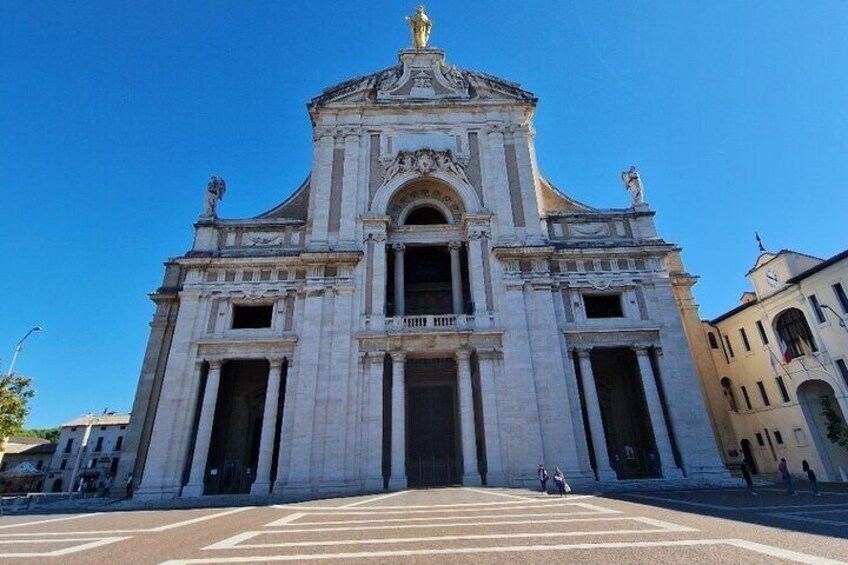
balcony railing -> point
(430, 321)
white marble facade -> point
(346, 340)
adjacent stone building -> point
(426, 309)
(89, 449)
(774, 359)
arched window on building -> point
(727, 390)
(713, 342)
(794, 333)
(425, 216)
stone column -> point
(497, 162)
(596, 424)
(470, 473)
(400, 305)
(398, 475)
(322, 173)
(476, 266)
(262, 485)
(371, 428)
(456, 277)
(489, 373)
(655, 412)
(204, 432)
(350, 177)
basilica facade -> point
(426, 309)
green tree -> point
(837, 430)
(15, 393)
(50, 434)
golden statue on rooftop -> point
(420, 25)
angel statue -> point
(633, 184)
(214, 192)
(420, 25)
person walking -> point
(786, 476)
(542, 474)
(746, 474)
(811, 476)
(559, 479)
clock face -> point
(771, 278)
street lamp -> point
(838, 317)
(20, 346)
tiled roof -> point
(102, 420)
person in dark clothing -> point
(746, 474)
(542, 475)
(811, 476)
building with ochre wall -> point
(426, 309)
(775, 358)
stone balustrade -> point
(429, 322)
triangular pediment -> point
(422, 76)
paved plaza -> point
(453, 526)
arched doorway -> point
(811, 394)
(748, 456)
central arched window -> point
(794, 333)
(425, 216)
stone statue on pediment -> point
(633, 184)
(420, 25)
(215, 189)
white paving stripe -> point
(96, 542)
(236, 542)
(732, 508)
(37, 522)
(455, 524)
(743, 544)
(432, 519)
(493, 493)
(133, 531)
(373, 499)
(363, 512)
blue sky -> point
(114, 114)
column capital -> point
(582, 352)
(640, 350)
(216, 364)
(463, 354)
(398, 356)
(276, 362)
(455, 245)
(399, 247)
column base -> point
(397, 484)
(672, 473)
(261, 488)
(296, 490)
(192, 490)
(607, 475)
(495, 480)
(374, 484)
(472, 480)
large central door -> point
(431, 458)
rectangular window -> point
(603, 305)
(746, 397)
(782, 386)
(729, 347)
(69, 445)
(63, 465)
(252, 317)
(814, 304)
(745, 341)
(841, 297)
(778, 437)
(800, 437)
(119, 443)
(762, 388)
(762, 330)
(99, 446)
(113, 467)
(843, 370)
(713, 342)
(760, 441)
